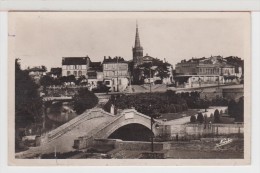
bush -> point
(101, 88)
(193, 119)
(216, 116)
(200, 118)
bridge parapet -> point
(128, 116)
(89, 114)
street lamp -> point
(156, 126)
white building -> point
(77, 66)
(116, 74)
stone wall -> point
(234, 93)
(215, 129)
(144, 146)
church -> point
(147, 69)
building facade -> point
(55, 72)
(95, 75)
(116, 73)
(198, 72)
(77, 66)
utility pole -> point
(117, 75)
(152, 120)
(150, 78)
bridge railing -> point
(100, 132)
(74, 122)
(84, 141)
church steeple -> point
(137, 49)
(137, 39)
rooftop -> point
(75, 60)
(56, 70)
(95, 66)
(114, 60)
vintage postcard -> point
(129, 88)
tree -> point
(211, 116)
(28, 104)
(70, 78)
(162, 71)
(205, 103)
(84, 100)
(205, 118)
(200, 118)
(193, 119)
(232, 108)
(44, 68)
(216, 116)
(81, 79)
(136, 73)
(46, 81)
(101, 88)
(240, 110)
(147, 70)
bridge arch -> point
(132, 132)
(130, 120)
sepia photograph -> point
(129, 88)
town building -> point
(95, 74)
(77, 66)
(116, 73)
(198, 72)
(55, 72)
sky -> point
(43, 38)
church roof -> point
(137, 39)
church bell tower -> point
(137, 50)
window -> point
(80, 73)
(107, 82)
(68, 73)
(75, 73)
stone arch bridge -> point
(81, 131)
